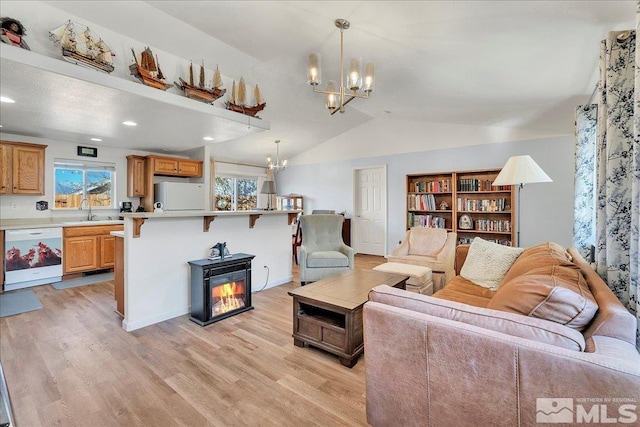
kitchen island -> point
(157, 247)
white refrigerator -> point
(179, 196)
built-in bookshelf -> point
(459, 199)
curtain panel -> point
(584, 200)
(609, 167)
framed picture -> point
(465, 222)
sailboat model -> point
(148, 70)
(201, 92)
(82, 47)
(237, 102)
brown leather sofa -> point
(449, 360)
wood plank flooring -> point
(72, 364)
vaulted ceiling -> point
(514, 64)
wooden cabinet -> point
(464, 202)
(191, 168)
(88, 248)
(136, 176)
(80, 254)
(22, 168)
(169, 166)
(107, 251)
(5, 168)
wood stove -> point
(220, 288)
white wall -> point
(156, 269)
(546, 209)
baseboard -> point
(129, 325)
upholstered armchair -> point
(429, 247)
(322, 252)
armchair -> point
(429, 247)
(322, 252)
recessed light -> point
(7, 100)
(96, 139)
(208, 138)
(129, 123)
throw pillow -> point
(556, 293)
(487, 263)
(426, 241)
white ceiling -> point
(517, 64)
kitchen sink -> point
(93, 222)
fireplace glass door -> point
(227, 293)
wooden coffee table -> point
(328, 313)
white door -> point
(370, 211)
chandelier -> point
(337, 99)
(277, 166)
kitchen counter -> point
(18, 223)
(207, 216)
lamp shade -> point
(268, 187)
(521, 170)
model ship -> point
(12, 32)
(148, 70)
(237, 103)
(200, 92)
(82, 47)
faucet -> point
(90, 216)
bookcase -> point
(464, 202)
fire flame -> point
(226, 299)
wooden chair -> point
(297, 241)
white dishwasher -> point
(33, 257)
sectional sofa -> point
(550, 340)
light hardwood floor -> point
(71, 364)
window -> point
(236, 193)
(75, 181)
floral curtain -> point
(616, 221)
(584, 201)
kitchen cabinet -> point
(89, 248)
(169, 166)
(22, 168)
(136, 176)
(107, 251)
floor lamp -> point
(520, 170)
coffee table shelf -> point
(328, 313)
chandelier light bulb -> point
(369, 78)
(313, 70)
(354, 75)
(331, 95)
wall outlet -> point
(14, 206)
